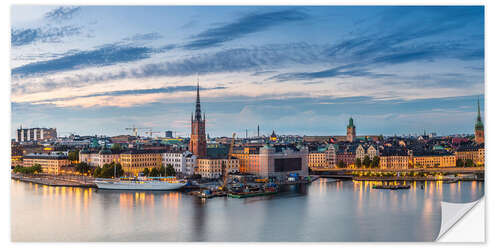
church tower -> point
(198, 142)
(479, 128)
(351, 131)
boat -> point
(250, 194)
(391, 186)
(140, 183)
(268, 189)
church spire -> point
(197, 115)
(479, 123)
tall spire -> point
(478, 111)
(197, 115)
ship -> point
(141, 183)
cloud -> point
(20, 37)
(246, 25)
(107, 55)
(144, 37)
(62, 13)
(341, 71)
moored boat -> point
(141, 183)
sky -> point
(296, 70)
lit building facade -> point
(317, 160)
(183, 162)
(134, 162)
(212, 168)
(351, 131)
(430, 160)
(98, 159)
(479, 127)
(50, 163)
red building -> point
(198, 142)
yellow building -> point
(394, 161)
(16, 160)
(134, 162)
(317, 160)
(212, 168)
(476, 154)
(50, 163)
(430, 161)
(249, 159)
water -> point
(321, 211)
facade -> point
(271, 161)
(366, 150)
(198, 142)
(347, 156)
(331, 156)
(431, 160)
(98, 159)
(36, 134)
(479, 127)
(474, 153)
(51, 163)
(212, 168)
(183, 162)
(134, 162)
(317, 160)
(394, 159)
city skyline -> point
(268, 66)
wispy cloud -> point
(62, 13)
(20, 37)
(102, 56)
(246, 25)
(144, 37)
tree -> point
(170, 170)
(145, 172)
(154, 172)
(73, 155)
(82, 167)
(375, 162)
(367, 161)
(358, 163)
(97, 172)
(341, 164)
(469, 163)
(460, 163)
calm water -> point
(321, 211)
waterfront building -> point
(212, 168)
(331, 156)
(198, 142)
(470, 152)
(274, 161)
(431, 159)
(98, 158)
(50, 163)
(317, 160)
(36, 134)
(394, 159)
(351, 131)
(184, 163)
(346, 155)
(479, 128)
(135, 161)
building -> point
(431, 159)
(351, 131)
(50, 163)
(198, 142)
(36, 134)
(479, 128)
(331, 156)
(135, 161)
(317, 160)
(273, 137)
(169, 134)
(184, 163)
(470, 152)
(394, 159)
(98, 158)
(347, 156)
(273, 161)
(366, 150)
(212, 168)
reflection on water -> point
(326, 210)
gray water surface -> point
(321, 211)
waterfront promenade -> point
(56, 180)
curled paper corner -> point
(451, 213)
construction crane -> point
(229, 154)
(151, 132)
(135, 130)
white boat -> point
(140, 184)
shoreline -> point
(52, 181)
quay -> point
(57, 181)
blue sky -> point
(297, 70)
